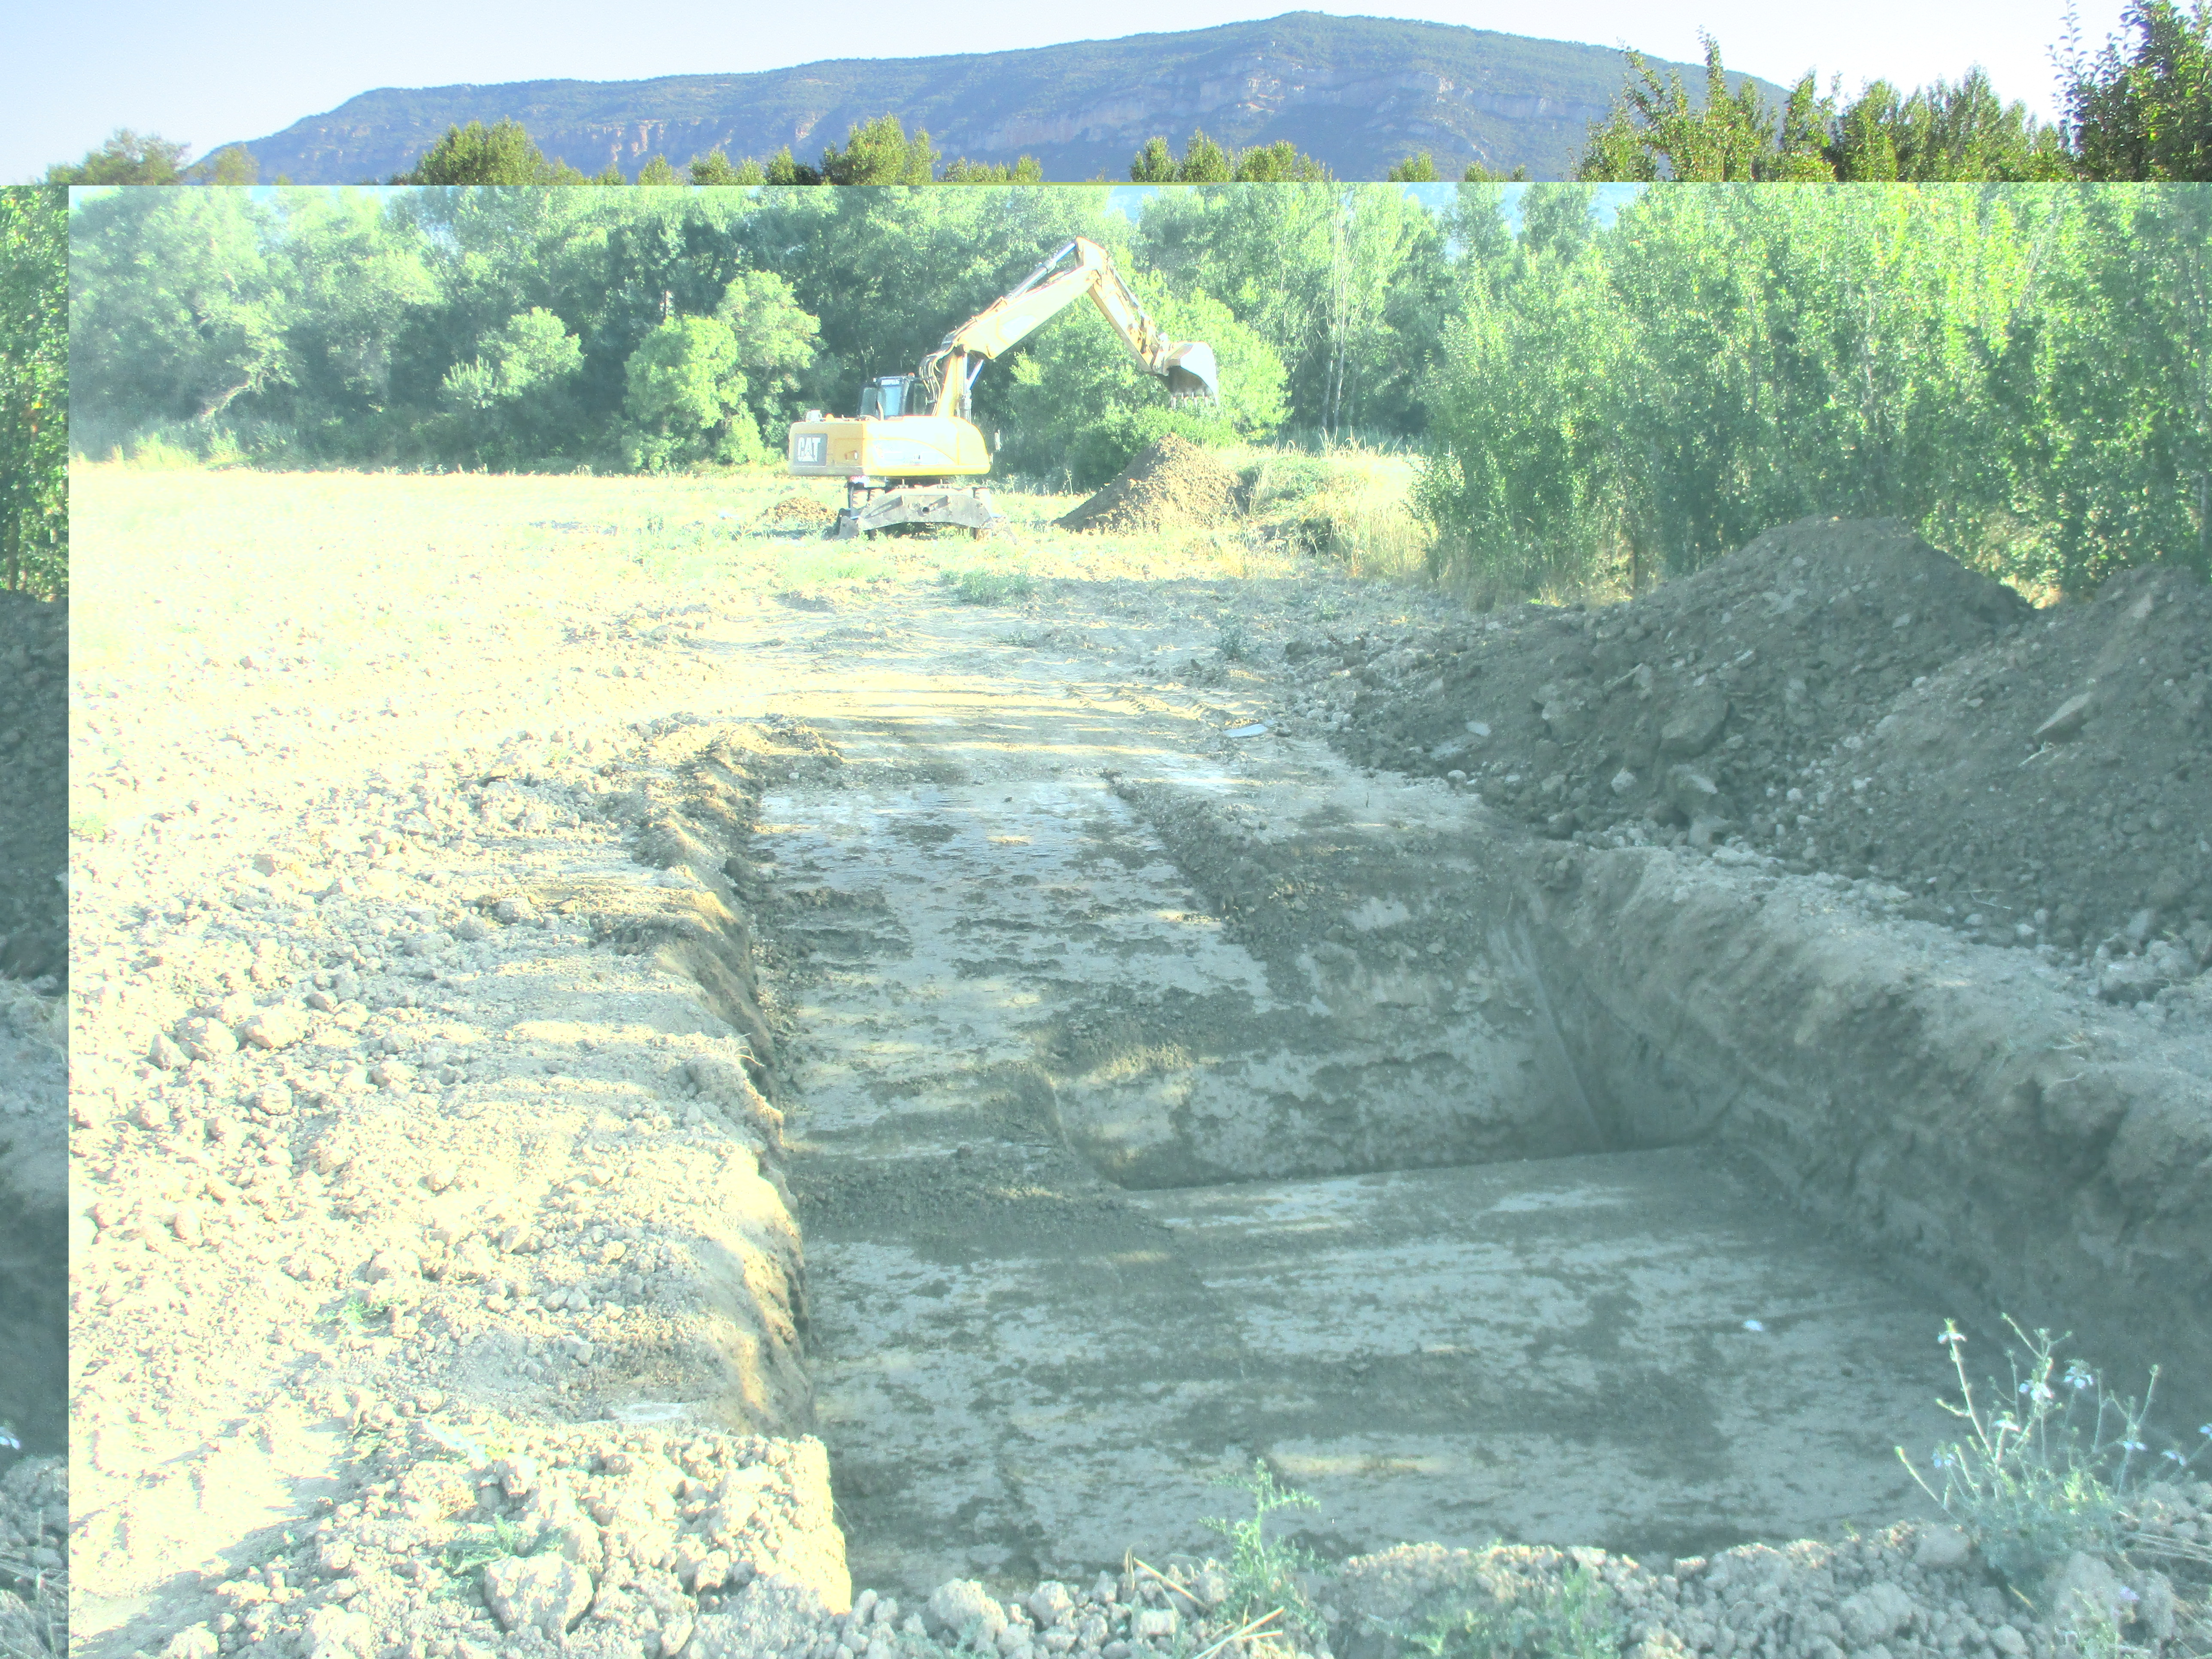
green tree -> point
(783, 170)
(658, 172)
(716, 168)
(1655, 131)
(34, 391)
(502, 154)
(1419, 169)
(2146, 114)
(685, 401)
(1075, 406)
(1345, 282)
(1026, 171)
(177, 310)
(1942, 133)
(1204, 161)
(510, 403)
(2105, 389)
(127, 158)
(880, 153)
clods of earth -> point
(435, 1290)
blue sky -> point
(254, 66)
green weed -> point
(1263, 1571)
(88, 826)
(1572, 1618)
(1233, 642)
(480, 1544)
(2032, 1482)
(987, 586)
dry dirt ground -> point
(578, 1001)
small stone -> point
(439, 1177)
(959, 1604)
(393, 1075)
(165, 1054)
(1694, 723)
(204, 1038)
(1147, 1623)
(1623, 781)
(674, 1634)
(1940, 1548)
(275, 1027)
(193, 1642)
(1050, 1602)
(473, 928)
(273, 1098)
(547, 1593)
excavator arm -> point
(950, 371)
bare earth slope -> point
(491, 955)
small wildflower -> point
(7, 1438)
(1752, 1324)
(2205, 1429)
(2174, 1455)
(1950, 1339)
(2127, 1595)
(2132, 1445)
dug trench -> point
(1157, 1085)
(1160, 1102)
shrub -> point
(2023, 1484)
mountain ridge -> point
(1359, 93)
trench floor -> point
(1025, 1368)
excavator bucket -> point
(1190, 370)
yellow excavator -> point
(903, 456)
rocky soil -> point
(434, 1289)
(1841, 696)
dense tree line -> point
(659, 328)
(2019, 371)
(33, 392)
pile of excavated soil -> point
(33, 786)
(799, 512)
(1840, 695)
(1174, 484)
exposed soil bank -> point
(1954, 1104)
(438, 1291)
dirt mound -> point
(1174, 484)
(1842, 695)
(799, 511)
(34, 803)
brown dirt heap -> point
(1173, 484)
(1844, 696)
(800, 510)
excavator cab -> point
(892, 395)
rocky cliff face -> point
(1360, 93)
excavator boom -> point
(1185, 364)
(906, 458)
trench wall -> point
(1931, 1099)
